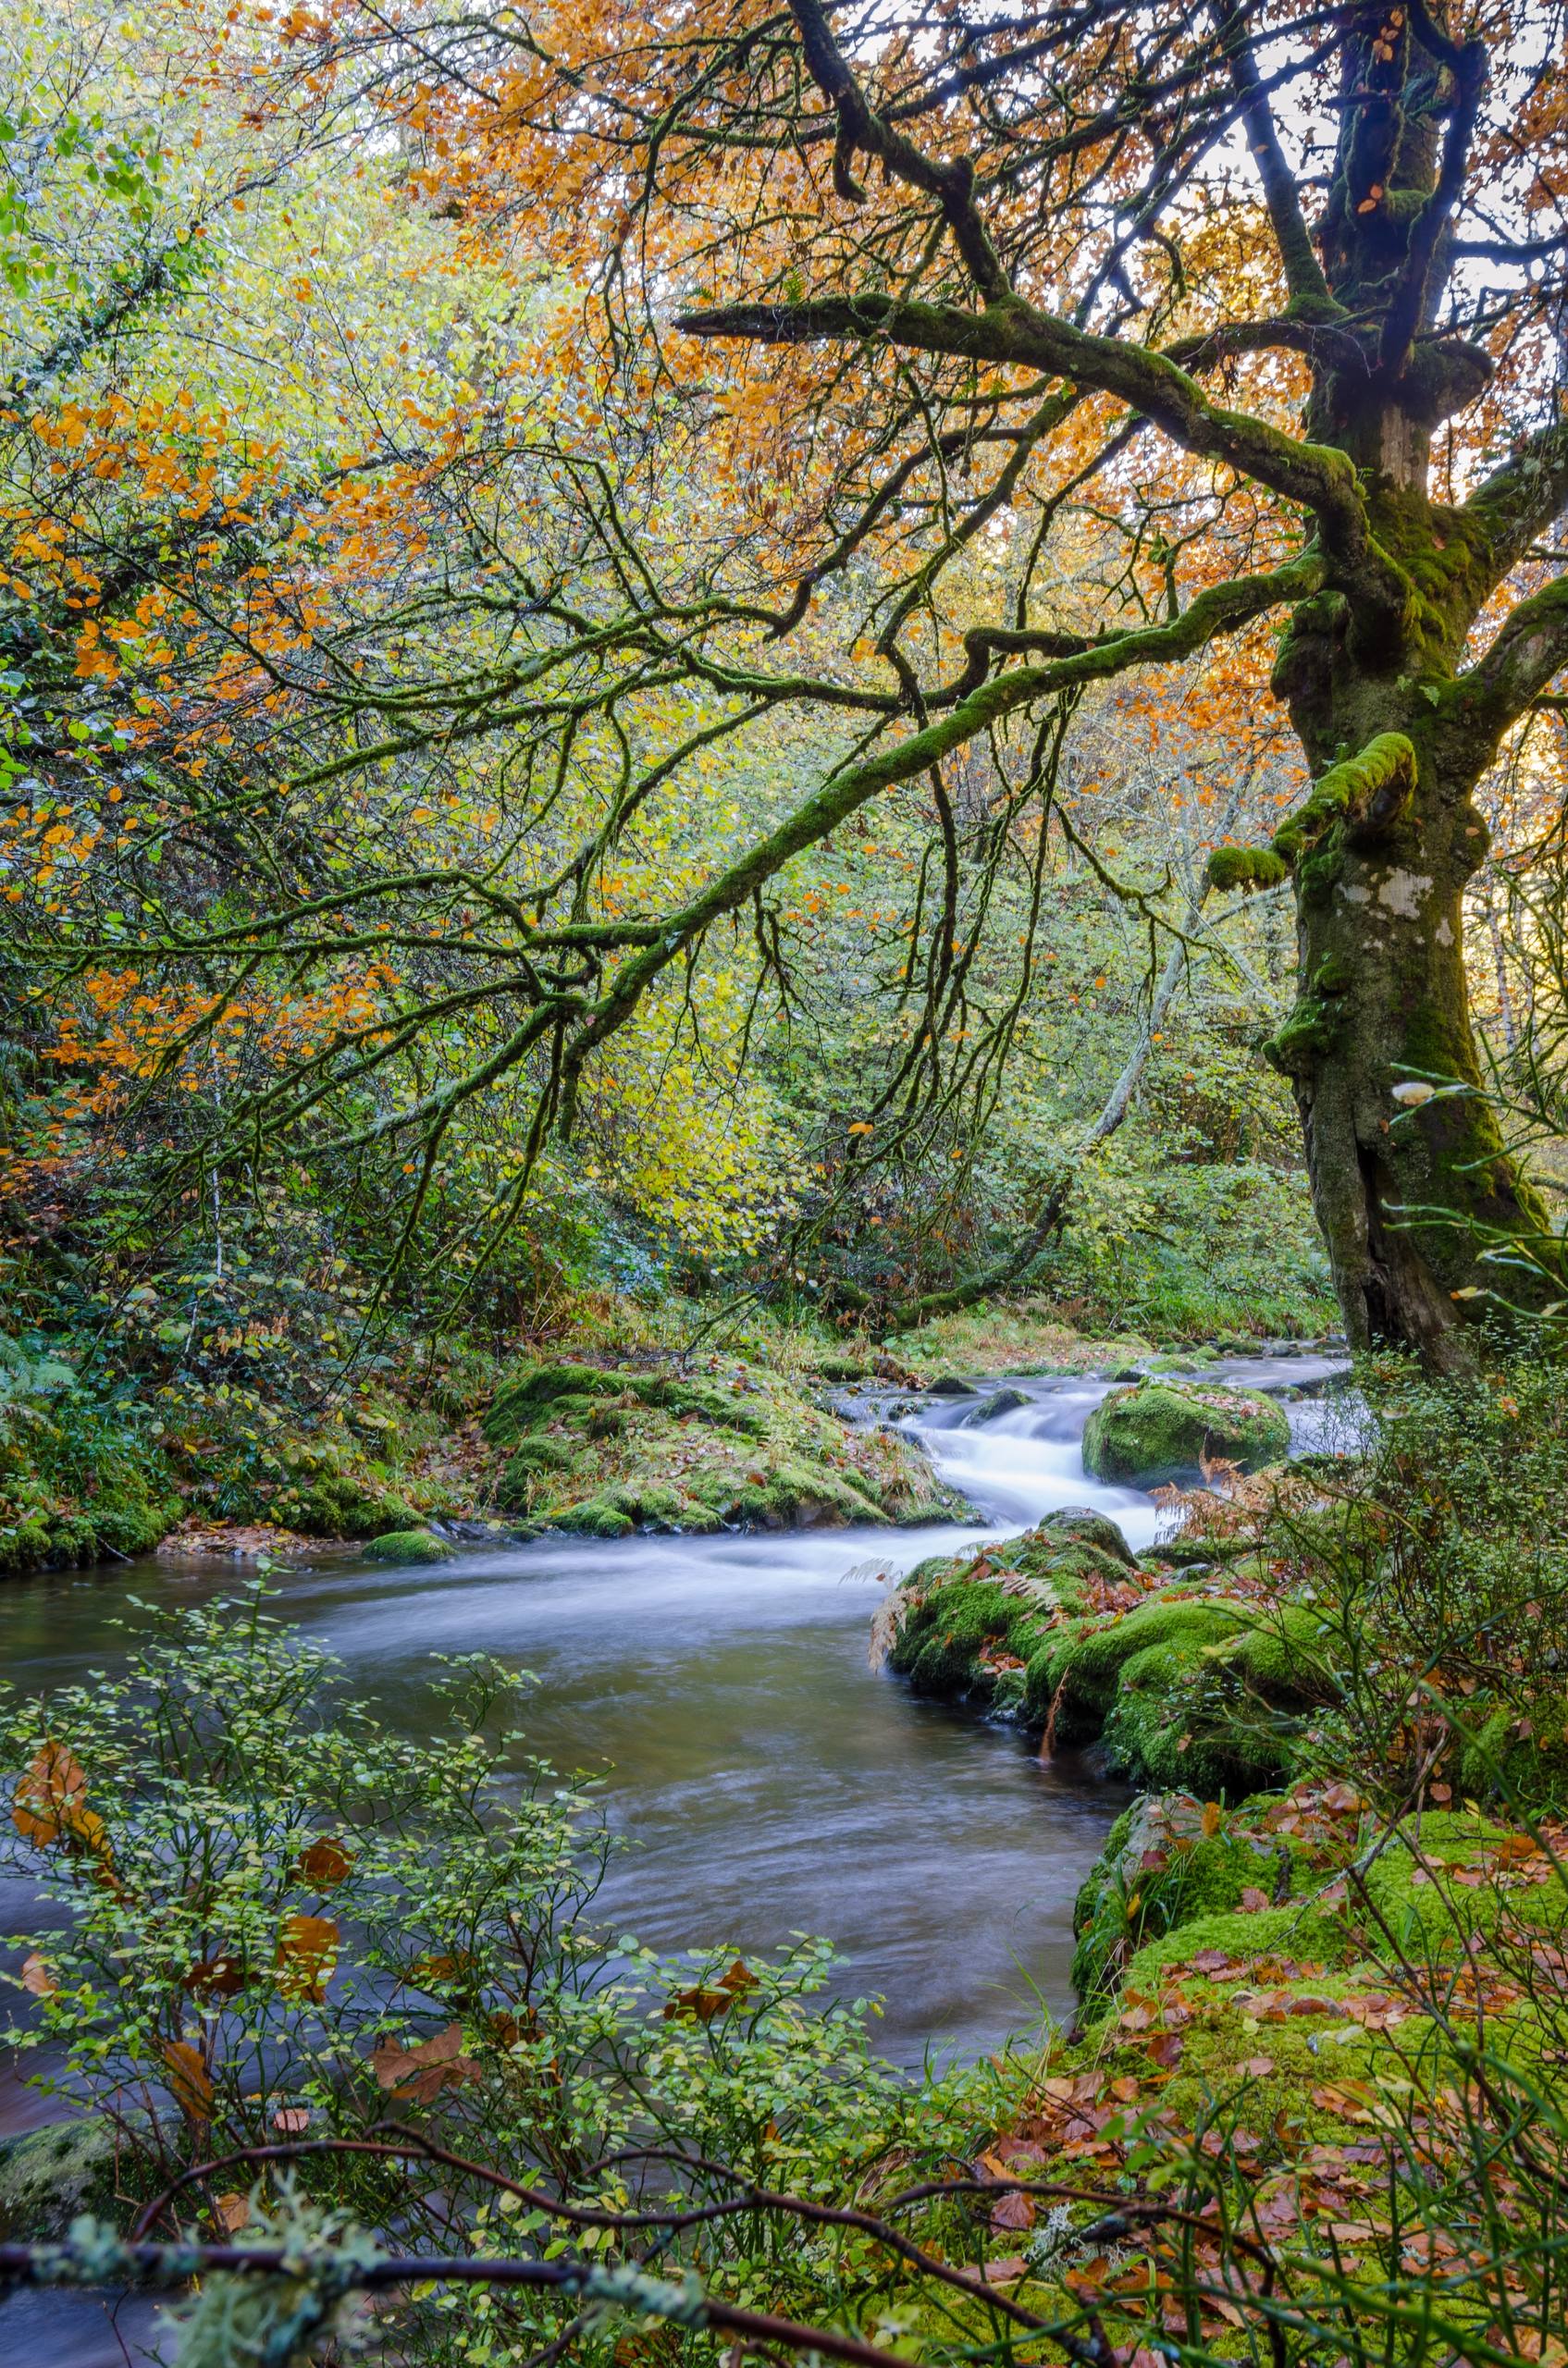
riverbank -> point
(624, 1418)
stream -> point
(766, 1781)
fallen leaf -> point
(36, 1977)
(418, 2075)
(706, 2004)
(189, 2082)
(291, 2120)
(1253, 1900)
(232, 2210)
(220, 1977)
(54, 1782)
(1010, 2212)
(307, 1952)
(325, 1862)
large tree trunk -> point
(1409, 1191)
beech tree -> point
(1273, 294)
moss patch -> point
(1199, 1683)
(1158, 1432)
(76, 1485)
(48, 2176)
(409, 1546)
(608, 1450)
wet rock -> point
(1093, 1528)
(409, 1546)
(947, 1385)
(1161, 1432)
(48, 2176)
(1000, 1402)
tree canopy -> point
(790, 409)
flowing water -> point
(766, 1781)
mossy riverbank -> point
(612, 1426)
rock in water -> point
(1162, 1431)
(408, 1546)
(1000, 1402)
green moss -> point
(1293, 1931)
(543, 1392)
(80, 1478)
(943, 1636)
(610, 1451)
(1311, 1030)
(1246, 867)
(1369, 789)
(1158, 1432)
(409, 1546)
(49, 2176)
(340, 1504)
(1157, 1731)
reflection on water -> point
(768, 1782)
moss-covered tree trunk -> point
(1410, 1188)
(1399, 726)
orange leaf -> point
(706, 2005)
(220, 1977)
(324, 1863)
(55, 1780)
(418, 2075)
(188, 2080)
(37, 1978)
(307, 1951)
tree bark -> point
(1410, 1192)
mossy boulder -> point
(49, 2176)
(341, 1503)
(409, 1546)
(606, 1452)
(1159, 1432)
(1176, 1686)
(1094, 1528)
(978, 1624)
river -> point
(766, 1781)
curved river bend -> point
(768, 1782)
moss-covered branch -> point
(1371, 789)
(1009, 330)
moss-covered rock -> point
(48, 2176)
(1159, 1431)
(606, 1451)
(1192, 1682)
(340, 1502)
(409, 1546)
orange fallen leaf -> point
(325, 1862)
(189, 2082)
(418, 2075)
(54, 1782)
(307, 1952)
(705, 2006)
(220, 1977)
